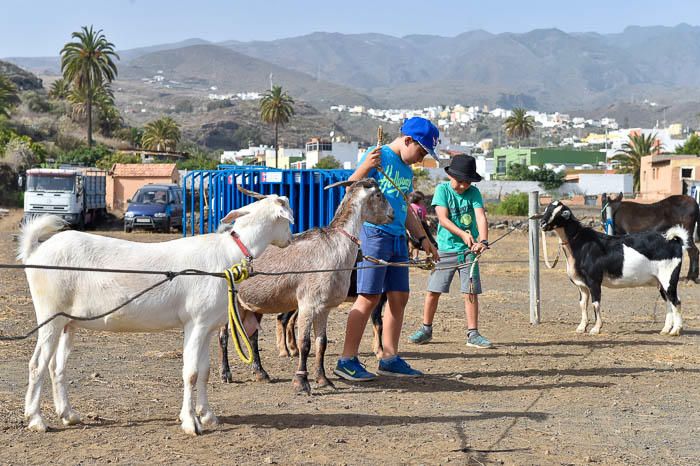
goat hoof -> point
(294, 353)
(71, 419)
(323, 382)
(192, 426)
(301, 384)
(675, 331)
(594, 331)
(209, 419)
(262, 376)
(580, 329)
(37, 424)
(665, 331)
(284, 354)
(226, 377)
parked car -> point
(154, 206)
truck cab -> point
(155, 207)
(57, 192)
(77, 195)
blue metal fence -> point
(208, 195)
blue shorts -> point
(382, 245)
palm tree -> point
(162, 134)
(59, 89)
(630, 157)
(102, 98)
(87, 64)
(276, 107)
(519, 124)
(8, 96)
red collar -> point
(352, 238)
(241, 246)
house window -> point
(501, 166)
(687, 172)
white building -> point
(343, 152)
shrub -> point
(328, 162)
(184, 106)
(217, 104)
(513, 204)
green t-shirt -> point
(461, 213)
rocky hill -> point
(24, 80)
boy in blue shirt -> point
(388, 242)
(462, 233)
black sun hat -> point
(463, 168)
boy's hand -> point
(468, 239)
(373, 159)
(478, 248)
(428, 247)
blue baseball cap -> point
(423, 132)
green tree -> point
(519, 125)
(277, 108)
(106, 162)
(549, 179)
(161, 134)
(630, 157)
(86, 156)
(691, 146)
(8, 96)
(101, 98)
(59, 89)
(88, 64)
(329, 162)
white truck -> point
(76, 194)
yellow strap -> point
(236, 274)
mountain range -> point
(544, 69)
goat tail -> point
(35, 231)
(678, 233)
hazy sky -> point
(41, 27)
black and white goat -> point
(641, 259)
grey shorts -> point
(441, 278)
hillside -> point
(24, 80)
(203, 66)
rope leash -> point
(100, 316)
(234, 275)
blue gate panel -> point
(211, 194)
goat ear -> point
(339, 183)
(233, 215)
(286, 213)
(250, 193)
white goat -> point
(198, 304)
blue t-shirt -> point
(402, 175)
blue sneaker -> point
(353, 370)
(397, 367)
(478, 341)
(421, 337)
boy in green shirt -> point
(462, 233)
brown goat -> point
(315, 294)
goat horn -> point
(251, 193)
(339, 183)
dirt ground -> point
(544, 395)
